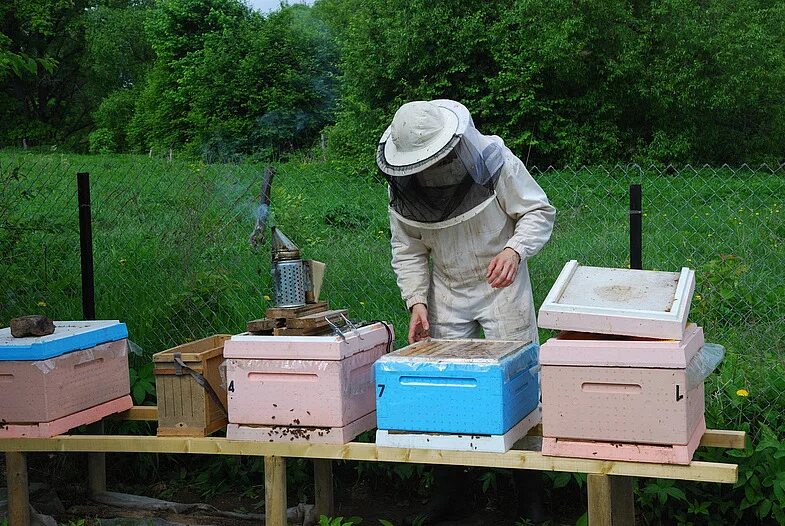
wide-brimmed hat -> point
(421, 134)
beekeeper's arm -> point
(525, 202)
(410, 263)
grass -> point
(172, 257)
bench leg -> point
(18, 496)
(611, 501)
(323, 482)
(275, 491)
(96, 464)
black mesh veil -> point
(448, 185)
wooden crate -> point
(185, 408)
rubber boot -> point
(531, 502)
(446, 502)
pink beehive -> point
(312, 382)
(45, 390)
(621, 390)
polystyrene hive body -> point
(478, 387)
(75, 376)
(621, 390)
(303, 381)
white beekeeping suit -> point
(459, 199)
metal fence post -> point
(636, 227)
(96, 462)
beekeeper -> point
(465, 217)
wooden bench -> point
(610, 494)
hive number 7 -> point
(381, 389)
(678, 396)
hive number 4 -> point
(381, 389)
(231, 387)
(678, 396)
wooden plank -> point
(611, 501)
(96, 464)
(314, 321)
(285, 331)
(724, 439)
(296, 312)
(275, 491)
(711, 438)
(144, 413)
(697, 471)
(323, 487)
(18, 496)
(317, 277)
(261, 325)
(194, 351)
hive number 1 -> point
(231, 387)
(678, 396)
(381, 389)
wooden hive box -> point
(186, 408)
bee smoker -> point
(293, 278)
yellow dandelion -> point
(362, 303)
(743, 393)
(42, 303)
(268, 298)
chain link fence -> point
(173, 260)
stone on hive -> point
(35, 325)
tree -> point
(229, 82)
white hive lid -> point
(628, 302)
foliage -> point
(339, 521)
(566, 82)
(228, 81)
(74, 53)
(142, 383)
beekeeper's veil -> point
(441, 170)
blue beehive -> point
(480, 387)
(69, 336)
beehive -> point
(477, 387)
(185, 407)
(73, 377)
(621, 390)
(296, 387)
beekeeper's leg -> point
(509, 315)
(449, 496)
(452, 312)
(450, 316)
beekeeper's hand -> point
(503, 268)
(418, 326)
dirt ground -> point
(359, 501)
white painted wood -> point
(627, 302)
(561, 282)
(453, 442)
